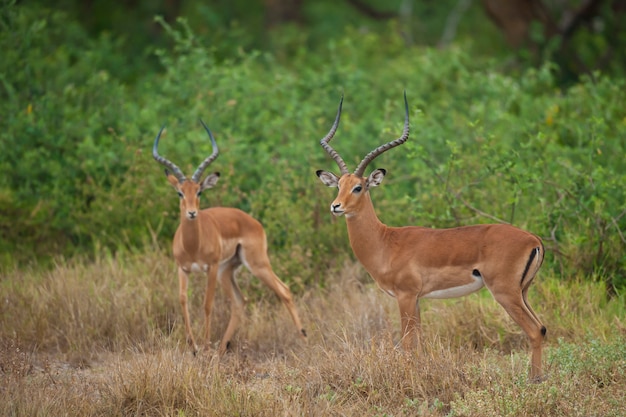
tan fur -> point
(411, 262)
(217, 241)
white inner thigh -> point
(460, 291)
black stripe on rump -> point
(533, 253)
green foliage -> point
(485, 146)
(603, 363)
(56, 141)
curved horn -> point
(324, 142)
(168, 164)
(383, 148)
(196, 175)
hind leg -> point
(515, 304)
(525, 298)
(237, 303)
(258, 263)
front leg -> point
(209, 295)
(182, 295)
(410, 319)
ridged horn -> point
(166, 163)
(329, 149)
(383, 148)
(196, 175)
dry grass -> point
(105, 338)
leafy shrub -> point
(56, 141)
(485, 146)
(602, 363)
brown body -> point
(215, 242)
(413, 262)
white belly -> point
(460, 291)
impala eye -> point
(199, 193)
(180, 194)
(357, 189)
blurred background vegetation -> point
(517, 115)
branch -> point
(370, 12)
(478, 211)
(452, 22)
(614, 221)
(572, 20)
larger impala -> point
(413, 262)
(216, 241)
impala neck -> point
(366, 233)
(190, 233)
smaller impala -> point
(413, 262)
(216, 241)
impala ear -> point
(210, 181)
(328, 178)
(171, 178)
(376, 177)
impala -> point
(216, 241)
(412, 262)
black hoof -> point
(538, 379)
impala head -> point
(354, 187)
(189, 190)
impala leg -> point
(282, 291)
(525, 298)
(182, 295)
(410, 320)
(535, 373)
(209, 296)
(418, 322)
(522, 314)
(237, 302)
(258, 263)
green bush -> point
(56, 139)
(485, 146)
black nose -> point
(335, 206)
